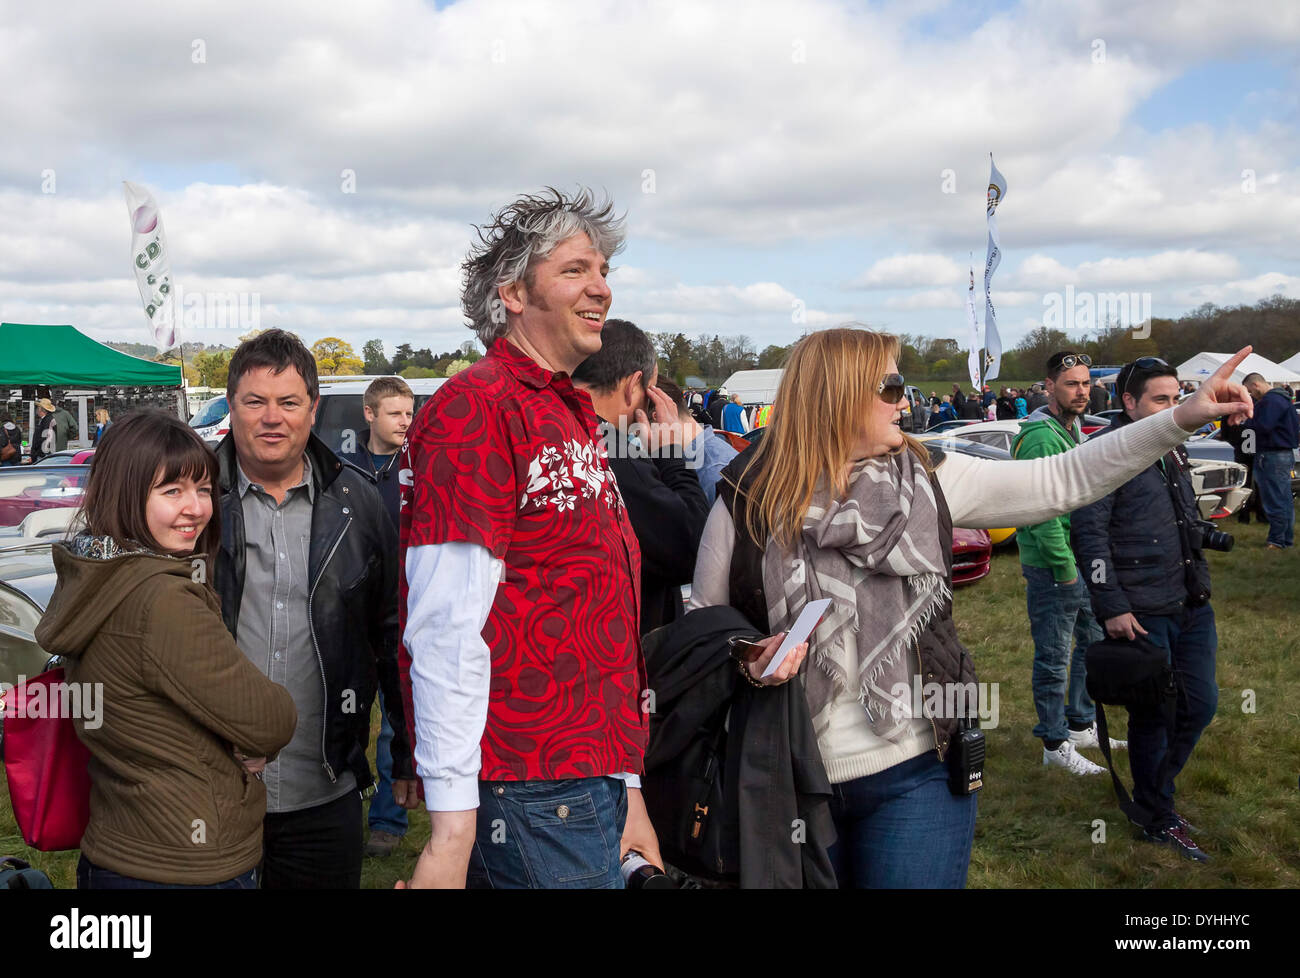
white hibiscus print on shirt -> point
(571, 466)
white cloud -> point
(952, 299)
(1243, 291)
(902, 271)
(928, 299)
(755, 142)
(1049, 274)
(731, 300)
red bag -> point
(46, 765)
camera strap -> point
(1181, 521)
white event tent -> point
(1293, 363)
(754, 386)
(1200, 367)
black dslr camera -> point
(1207, 536)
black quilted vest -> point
(942, 658)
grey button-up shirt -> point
(275, 634)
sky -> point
(782, 166)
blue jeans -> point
(386, 815)
(1273, 483)
(1192, 642)
(92, 877)
(549, 835)
(1057, 613)
(902, 829)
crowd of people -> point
(1008, 404)
(506, 571)
(54, 427)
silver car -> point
(27, 580)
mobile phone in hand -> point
(748, 649)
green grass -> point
(1036, 824)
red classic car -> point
(24, 489)
(971, 550)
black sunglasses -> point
(892, 388)
(1125, 380)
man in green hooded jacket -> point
(1059, 605)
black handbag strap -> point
(1168, 712)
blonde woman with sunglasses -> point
(837, 502)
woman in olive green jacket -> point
(185, 721)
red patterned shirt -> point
(505, 455)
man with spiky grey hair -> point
(520, 580)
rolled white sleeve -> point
(450, 589)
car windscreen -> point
(341, 422)
(210, 413)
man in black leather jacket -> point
(309, 590)
(1139, 550)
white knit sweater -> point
(981, 494)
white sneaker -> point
(1067, 757)
(1083, 739)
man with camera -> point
(1140, 549)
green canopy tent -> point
(61, 356)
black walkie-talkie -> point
(966, 760)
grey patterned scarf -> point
(876, 553)
(103, 548)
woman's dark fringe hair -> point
(144, 449)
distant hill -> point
(146, 352)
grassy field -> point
(1037, 825)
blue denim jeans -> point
(902, 829)
(548, 835)
(1057, 613)
(386, 815)
(1192, 641)
(1273, 483)
(92, 877)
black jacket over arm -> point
(668, 510)
(776, 824)
(352, 607)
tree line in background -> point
(209, 366)
(1271, 326)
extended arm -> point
(993, 494)
(984, 493)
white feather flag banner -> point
(992, 341)
(151, 259)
